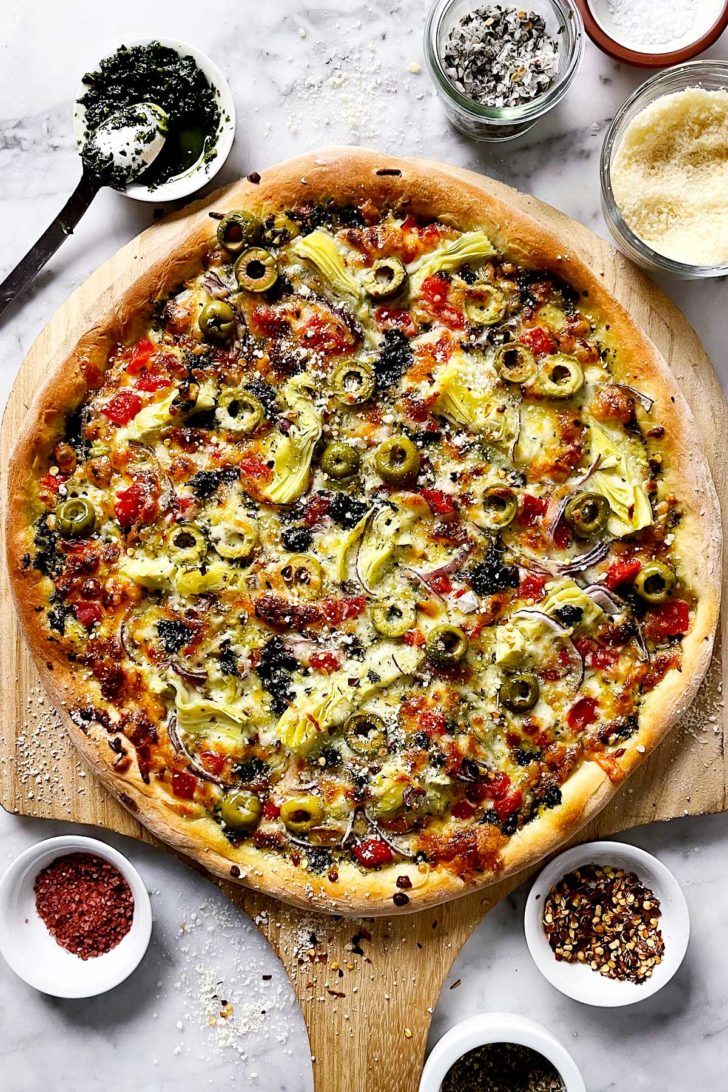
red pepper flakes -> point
(85, 903)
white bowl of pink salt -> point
(75, 917)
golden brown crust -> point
(455, 197)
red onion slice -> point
(576, 662)
(644, 399)
(554, 516)
(176, 740)
(584, 561)
(386, 838)
(194, 678)
(610, 603)
(588, 472)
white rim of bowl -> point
(498, 1027)
(201, 172)
(653, 873)
(61, 846)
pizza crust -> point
(455, 197)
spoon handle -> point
(49, 242)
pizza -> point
(364, 539)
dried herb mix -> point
(156, 73)
(501, 56)
(502, 1067)
(607, 919)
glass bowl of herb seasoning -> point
(195, 97)
(503, 1052)
(498, 68)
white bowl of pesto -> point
(196, 148)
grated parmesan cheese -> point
(670, 176)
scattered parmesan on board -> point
(670, 176)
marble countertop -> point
(303, 76)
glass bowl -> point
(563, 23)
(711, 75)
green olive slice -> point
(519, 692)
(561, 376)
(393, 618)
(239, 410)
(241, 810)
(237, 230)
(515, 362)
(365, 733)
(385, 278)
(217, 321)
(300, 813)
(185, 542)
(76, 517)
(340, 460)
(446, 646)
(655, 582)
(235, 543)
(586, 514)
(302, 576)
(280, 229)
(353, 382)
(256, 270)
(500, 505)
(397, 460)
(485, 305)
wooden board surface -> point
(367, 989)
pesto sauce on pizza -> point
(364, 547)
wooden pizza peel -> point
(367, 988)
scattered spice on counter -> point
(501, 56)
(85, 903)
(607, 919)
(502, 1067)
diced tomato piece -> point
(88, 613)
(669, 619)
(582, 713)
(530, 509)
(622, 572)
(441, 583)
(562, 535)
(433, 722)
(325, 662)
(435, 292)
(602, 658)
(51, 482)
(134, 505)
(340, 610)
(253, 466)
(373, 853)
(531, 585)
(507, 805)
(415, 638)
(123, 407)
(268, 321)
(440, 502)
(395, 318)
(212, 761)
(183, 784)
(499, 784)
(316, 507)
(153, 381)
(477, 792)
(327, 334)
(463, 809)
(271, 810)
(538, 340)
(139, 355)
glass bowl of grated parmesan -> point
(664, 172)
(499, 67)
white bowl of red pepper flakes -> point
(607, 924)
(75, 917)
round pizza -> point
(365, 540)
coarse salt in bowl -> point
(563, 25)
(578, 980)
(35, 956)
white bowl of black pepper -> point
(607, 924)
(498, 1051)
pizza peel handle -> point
(41, 252)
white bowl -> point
(203, 170)
(577, 980)
(498, 1027)
(30, 950)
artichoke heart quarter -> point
(292, 454)
(621, 478)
